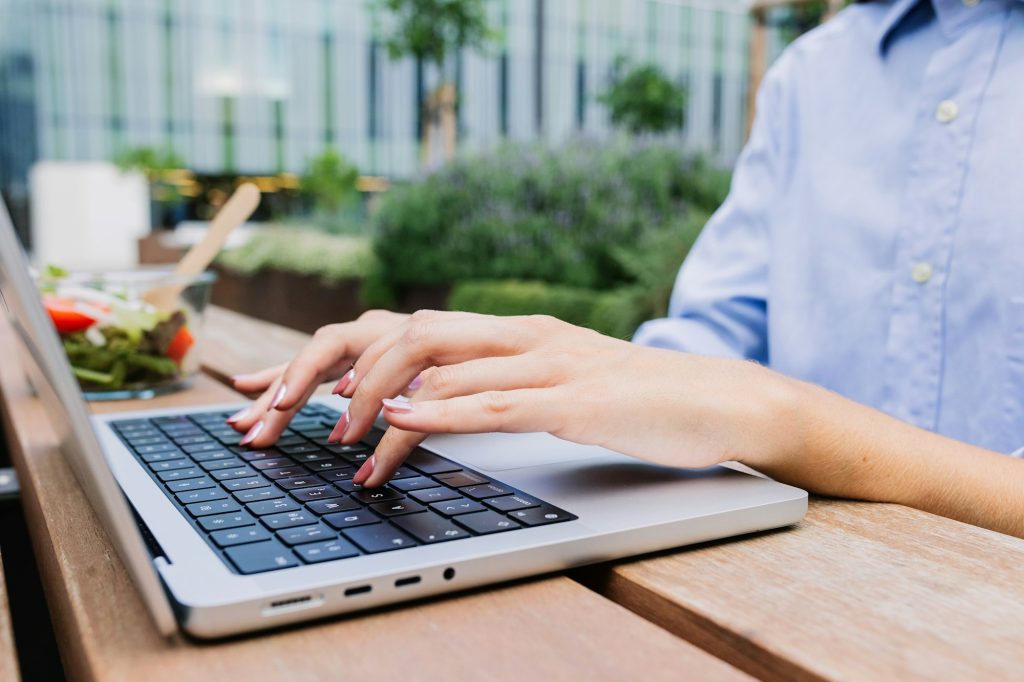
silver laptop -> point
(222, 540)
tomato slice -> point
(66, 317)
(180, 344)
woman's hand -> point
(477, 373)
(286, 388)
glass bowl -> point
(128, 334)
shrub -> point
(524, 212)
(331, 257)
(642, 99)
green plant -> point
(163, 169)
(430, 30)
(329, 257)
(330, 181)
(532, 213)
(642, 99)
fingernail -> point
(339, 429)
(364, 472)
(397, 405)
(238, 377)
(253, 432)
(278, 397)
(416, 383)
(237, 416)
(344, 381)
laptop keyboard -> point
(295, 503)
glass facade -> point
(260, 86)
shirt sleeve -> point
(719, 305)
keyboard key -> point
(327, 551)
(149, 449)
(356, 458)
(381, 537)
(430, 528)
(201, 495)
(213, 455)
(340, 449)
(343, 474)
(511, 502)
(179, 474)
(403, 472)
(542, 515)
(485, 522)
(433, 495)
(351, 519)
(147, 440)
(162, 456)
(281, 504)
(299, 482)
(261, 556)
(191, 484)
(397, 507)
(457, 506)
(220, 521)
(414, 483)
(240, 536)
(218, 464)
(187, 441)
(235, 472)
(214, 507)
(171, 464)
(202, 447)
(318, 456)
(369, 496)
(429, 463)
(288, 520)
(286, 472)
(298, 448)
(481, 492)
(271, 463)
(254, 455)
(461, 479)
(254, 495)
(245, 483)
(304, 534)
(322, 492)
(339, 504)
(327, 465)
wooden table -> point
(856, 591)
(8, 657)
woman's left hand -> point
(468, 373)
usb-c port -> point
(411, 580)
(362, 589)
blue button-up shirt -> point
(873, 240)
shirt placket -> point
(951, 95)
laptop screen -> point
(49, 372)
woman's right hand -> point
(284, 389)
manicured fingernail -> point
(339, 429)
(237, 416)
(278, 397)
(416, 383)
(253, 432)
(397, 405)
(344, 381)
(239, 377)
(364, 472)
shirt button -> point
(921, 272)
(947, 111)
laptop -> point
(222, 540)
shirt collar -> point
(896, 13)
(946, 12)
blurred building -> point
(260, 86)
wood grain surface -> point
(8, 657)
(550, 628)
(857, 591)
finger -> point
(517, 411)
(274, 422)
(257, 381)
(245, 421)
(425, 344)
(327, 356)
(389, 454)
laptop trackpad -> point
(500, 451)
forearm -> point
(847, 450)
